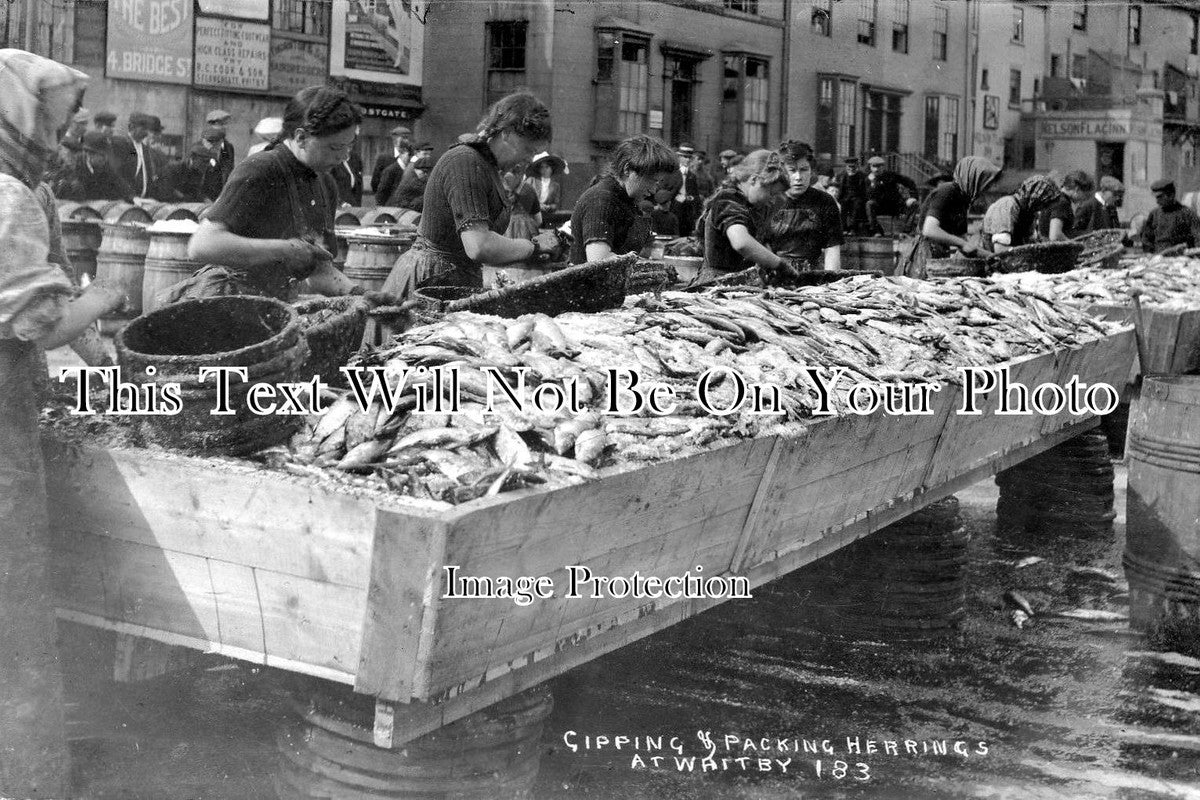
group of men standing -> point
(867, 196)
(101, 164)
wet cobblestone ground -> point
(1066, 708)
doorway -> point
(1110, 160)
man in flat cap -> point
(852, 195)
(220, 119)
(132, 158)
(73, 136)
(684, 189)
(884, 196)
(1171, 224)
(1098, 211)
(105, 122)
(93, 177)
(402, 154)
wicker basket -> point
(1048, 257)
(334, 328)
(595, 286)
(649, 275)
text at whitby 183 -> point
(617, 391)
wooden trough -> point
(347, 585)
(1172, 337)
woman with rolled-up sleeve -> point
(465, 213)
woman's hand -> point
(548, 246)
(969, 249)
(108, 294)
(301, 258)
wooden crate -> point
(1172, 337)
(347, 586)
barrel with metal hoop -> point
(167, 261)
(371, 254)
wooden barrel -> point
(492, 754)
(119, 211)
(370, 257)
(381, 215)
(122, 258)
(1162, 534)
(852, 252)
(78, 211)
(349, 217)
(190, 211)
(81, 240)
(876, 254)
(167, 263)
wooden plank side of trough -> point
(1186, 357)
(453, 703)
(652, 519)
(214, 509)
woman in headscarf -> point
(465, 214)
(37, 96)
(1012, 220)
(944, 217)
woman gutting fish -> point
(1012, 220)
(731, 226)
(606, 220)
(272, 226)
(465, 213)
(944, 217)
(807, 225)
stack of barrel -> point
(905, 582)
(1162, 540)
(1065, 492)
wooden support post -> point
(384, 733)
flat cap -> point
(155, 123)
(1109, 183)
(104, 118)
(82, 115)
(269, 126)
(1163, 185)
(212, 134)
(401, 130)
(727, 154)
(850, 160)
(685, 150)
(423, 162)
(95, 142)
(217, 115)
(138, 118)
(876, 160)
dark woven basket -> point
(1048, 257)
(334, 328)
(595, 286)
(650, 276)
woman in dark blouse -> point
(732, 218)
(944, 219)
(465, 215)
(272, 225)
(606, 219)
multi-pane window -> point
(302, 16)
(633, 85)
(882, 121)
(822, 17)
(826, 130)
(1018, 24)
(1014, 87)
(754, 103)
(847, 117)
(1194, 42)
(900, 26)
(867, 13)
(941, 128)
(506, 58)
(1079, 18)
(745, 6)
(679, 74)
(941, 30)
(1135, 25)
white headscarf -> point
(37, 97)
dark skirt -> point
(214, 280)
(424, 265)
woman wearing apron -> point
(1012, 220)
(465, 214)
(606, 220)
(272, 226)
(944, 217)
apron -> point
(218, 280)
(914, 257)
(424, 264)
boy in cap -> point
(684, 189)
(1171, 224)
(852, 195)
(883, 193)
(131, 156)
(662, 221)
(220, 119)
(401, 154)
(1094, 213)
(93, 177)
